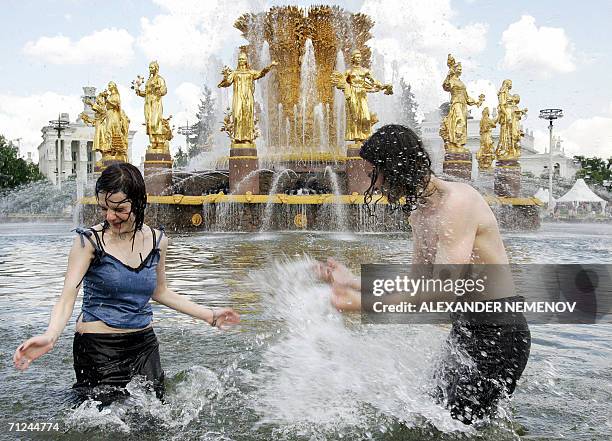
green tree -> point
(15, 171)
(180, 158)
(409, 107)
(594, 170)
(204, 125)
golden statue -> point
(356, 83)
(117, 125)
(100, 141)
(504, 116)
(240, 121)
(168, 135)
(486, 154)
(155, 89)
(334, 33)
(517, 115)
(454, 126)
(513, 151)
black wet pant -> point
(484, 359)
(114, 359)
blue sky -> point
(556, 52)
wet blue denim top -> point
(114, 292)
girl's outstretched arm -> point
(79, 259)
(164, 295)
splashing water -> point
(267, 218)
(307, 93)
(339, 105)
(339, 208)
(189, 393)
(325, 374)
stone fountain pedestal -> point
(243, 161)
(515, 212)
(507, 179)
(458, 164)
(158, 171)
(358, 170)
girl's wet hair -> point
(397, 152)
(124, 177)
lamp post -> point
(18, 141)
(550, 115)
(59, 125)
(188, 131)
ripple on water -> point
(294, 369)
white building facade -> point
(538, 163)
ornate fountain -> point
(293, 95)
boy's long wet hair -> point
(124, 177)
(397, 152)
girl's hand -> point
(32, 349)
(224, 316)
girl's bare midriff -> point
(99, 327)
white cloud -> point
(489, 89)
(537, 50)
(424, 26)
(24, 116)
(541, 140)
(589, 137)
(189, 31)
(188, 97)
(417, 35)
(584, 136)
(108, 46)
(186, 33)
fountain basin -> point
(246, 212)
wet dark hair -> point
(124, 177)
(397, 152)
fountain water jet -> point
(339, 210)
(265, 224)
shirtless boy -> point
(451, 224)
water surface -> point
(294, 368)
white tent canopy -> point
(581, 192)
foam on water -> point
(189, 393)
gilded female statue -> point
(504, 116)
(100, 142)
(513, 151)
(454, 125)
(486, 154)
(155, 89)
(117, 123)
(356, 83)
(241, 122)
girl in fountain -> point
(451, 224)
(114, 339)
